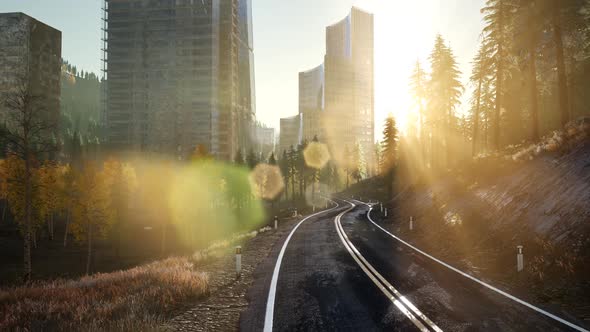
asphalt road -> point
(323, 285)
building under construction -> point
(179, 73)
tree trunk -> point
(163, 244)
(476, 119)
(534, 96)
(499, 79)
(28, 221)
(68, 215)
(422, 138)
(561, 73)
(293, 187)
(4, 209)
(50, 226)
(89, 257)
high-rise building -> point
(349, 84)
(179, 74)
(311, 102)
(290, 135)
(30, 54)
(265, 139)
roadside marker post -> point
(519, 259)
(381, 205)
(313, 208)
(385, 212)
(411, 223)
(276, 221)
(238, 262)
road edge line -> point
(472, 278)
(270, 301)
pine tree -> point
(251, 159)
(445, 91)
(239, 158)
(389, 144)
(389, 152)
(359, 167)
(272, 160)
(418, 84)
(496, 36)
(284, 166)
(480, 75)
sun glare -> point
(395, 55)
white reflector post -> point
(238, 261)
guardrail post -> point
(238, 262)
(411, 223)
(519, 259)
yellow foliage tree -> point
(122, 184)
(15, 194)
(92, 212)
(51, 192)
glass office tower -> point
(349, 84)
(311, 102)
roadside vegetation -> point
(134, 299)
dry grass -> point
(134, 299)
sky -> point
(289, 37)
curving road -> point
(340, 272)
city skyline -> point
(279, 55)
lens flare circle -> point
(316, 155)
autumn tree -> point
(51, 189)
(28, 130)
(93, 214)
(122, 183)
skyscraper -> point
(290, 134)
(179, 74)
(30, 53)
(349, 84)
(311, 102)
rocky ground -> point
(221, 310)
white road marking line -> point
(270, 302)
(499, 291)
(398, 299)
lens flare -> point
(211, 200)
(266, 181)
(316, 155)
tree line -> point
(529, 77)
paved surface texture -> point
(321, 287)
(221, 310)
